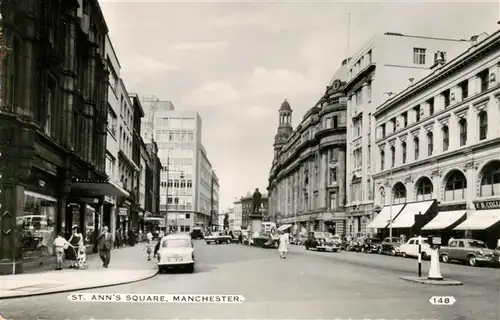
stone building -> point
(53, 112)
(382, 67)
(307, 178)
(438, 143)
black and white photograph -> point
(249, 159)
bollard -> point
(419, 256)
(434, 269)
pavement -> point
(434, 282)
(306, 285)
(127, 265)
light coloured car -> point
(176, 251)
(410, 248)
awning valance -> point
(444, 219)
(406, 219)
(480, 220)
(382, 219)
(98, 188)
(284, 227)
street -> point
(305, 285)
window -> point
(382, 130)
(333, 200)
(51, 90)
(484, 79)
(464, 87)
(446, 138)
(417, 113)
(393, 156)
(419, 56)
(490, 182)
(335, 122)
(424, 189)
(333, 175)
(382, 160)
(399, 193)
(431, 106)
(416, 144)
(455, 187)
(483, 125)
(369, 91)
(189, 184)
(394, 124)
(446, 97)
(430, 143)
(463, 131)
(403, 151)
(404, 115)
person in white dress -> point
(284, 242)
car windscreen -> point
(176, 243)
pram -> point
(81, 257)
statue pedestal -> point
(256, 223)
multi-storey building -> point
(186, 172)
(111, 204)
(138, 148)
(152, 189)
(237, 214)
(53, 112)
(215, 198)
(247, 209)
(439, 141)
(307, 178)
(381, 68)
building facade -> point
(237, 214)
(383, 67)
(112, 204)
(186, 171)
(215, 198)
(439, 141)
(53, 114)
(247, 209)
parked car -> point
(352, 245)
(321, 241)
(470, 251)
(371, 245)
(217, 238)
(391, 246)
(176, 251)
(410, 248)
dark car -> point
(322, 241)
(371, 245)
(197, 233)
(390, 247)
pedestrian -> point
(148, 250)
(149, 237)
(105, 245)
(283, 246)
(75, 241)
(60, 244)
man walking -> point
(105, 245)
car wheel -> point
(362, 250)
(393, 252)
(307, 247)
(403, 254)
(228, 241)
(190, 269)
(472, 261)
(379, 250)
(445, 258)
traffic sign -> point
(442, 300)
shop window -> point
(36, 225)
(89, 226)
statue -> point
(257, 199)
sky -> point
(235, 62)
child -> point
(82, 257)
(148, 250)
(60, 245)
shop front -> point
(122, 219)
(483, 223)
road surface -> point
(307, 285)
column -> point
(474, 86)
(472, 126)
(437, 131)
(454, 131)
(424, 110)
(471, 175)
(493, 116)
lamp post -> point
(390, 208)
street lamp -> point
(390, 208)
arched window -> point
(446, 138)
(399, 193)
(456, 186)
(462, 124)
(381, 192)
(490, 182)
(424, 189)
(393, 156)
(403, 152)
(430, 143)
(416, 144)
(483, 125)
(382, 160)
